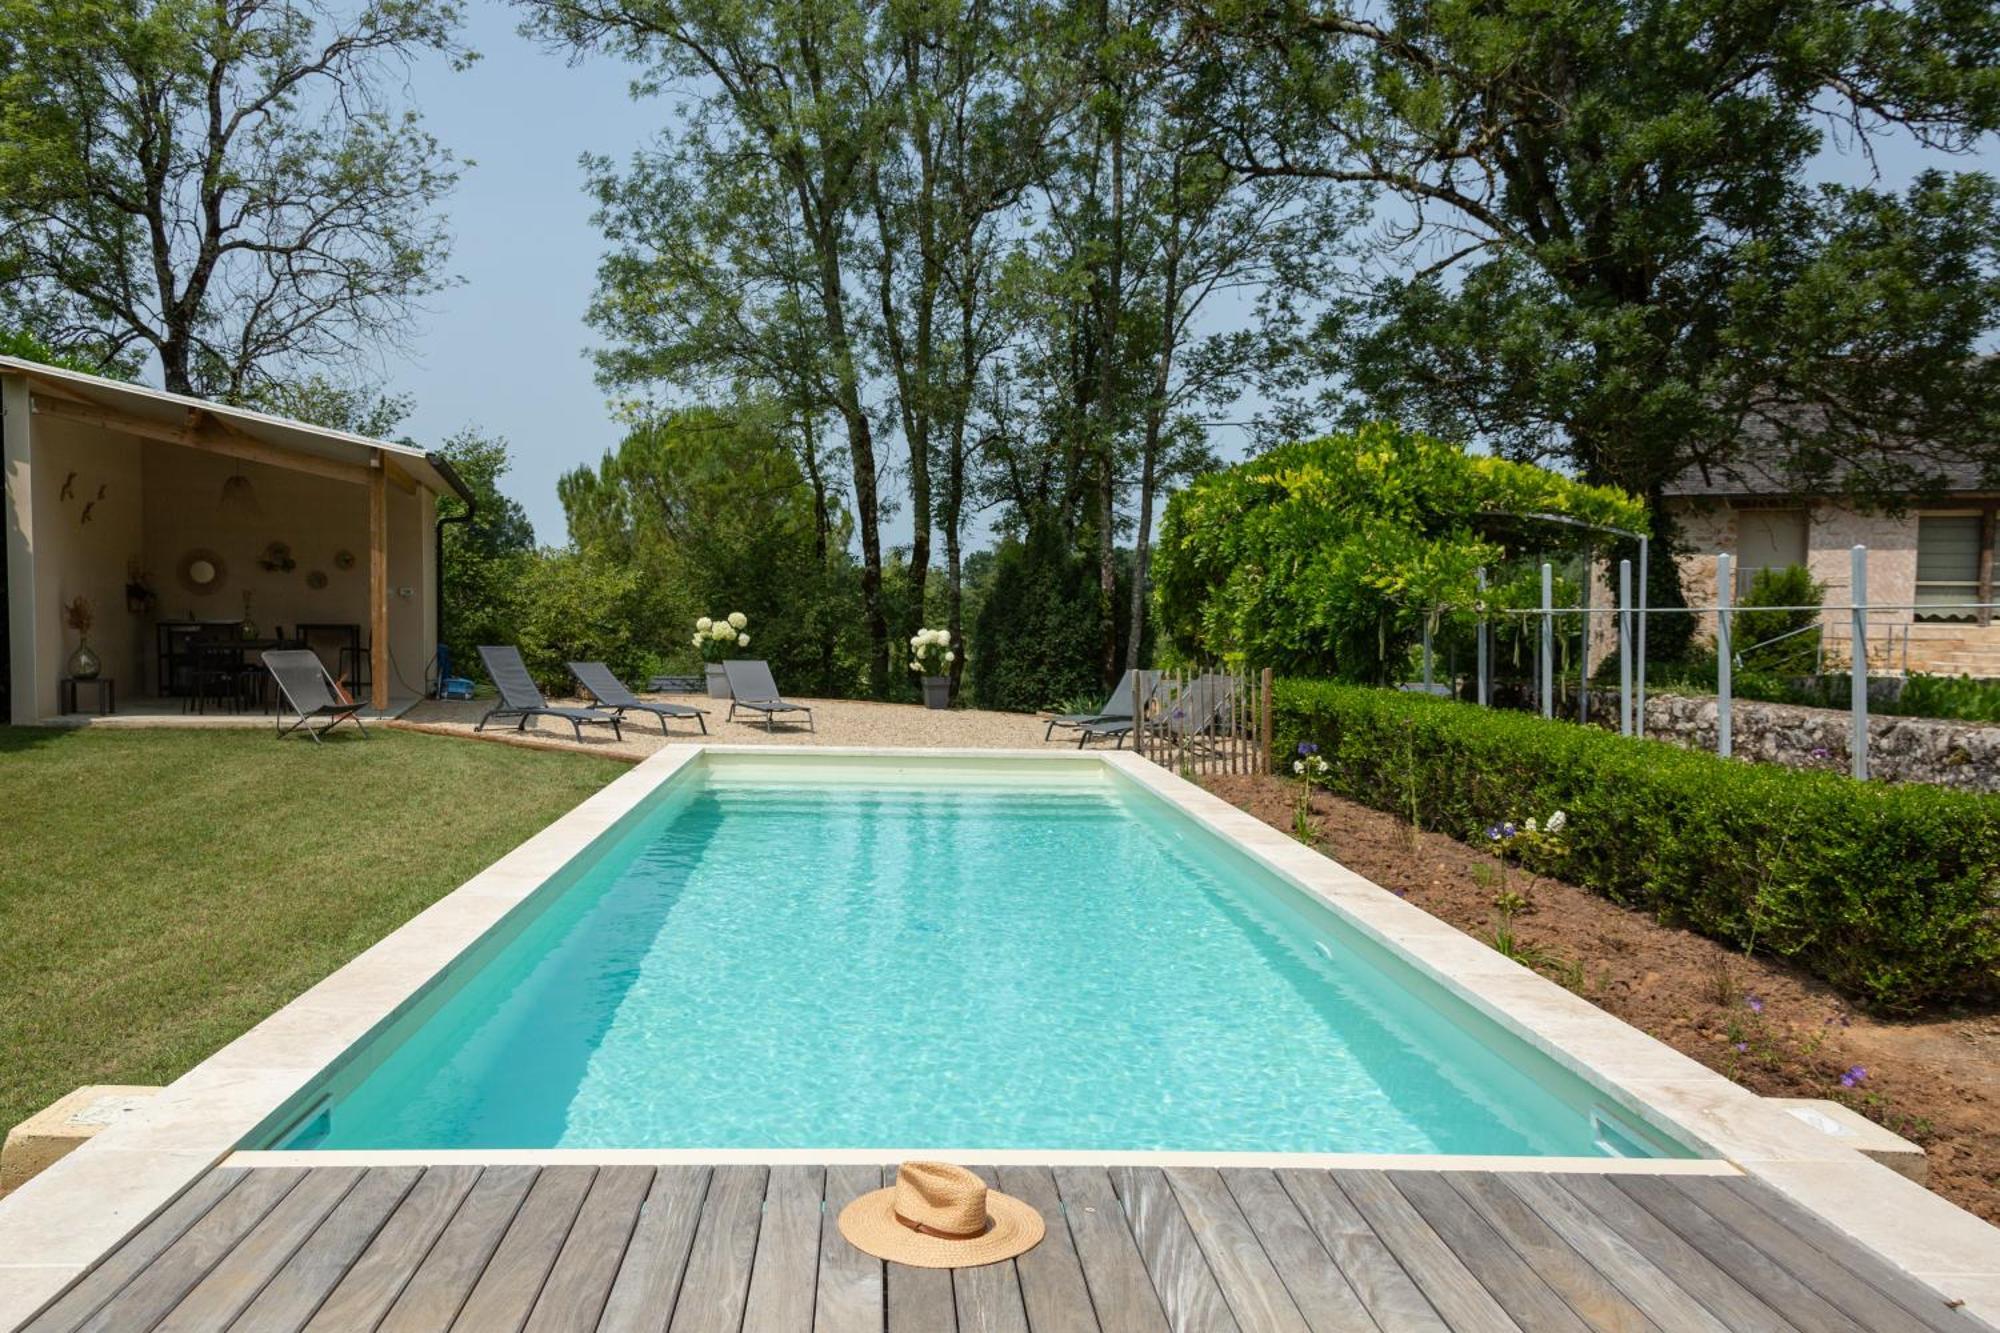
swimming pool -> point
(776, 952)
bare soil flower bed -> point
(1768, 1026)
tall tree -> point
(223, 184)
(1608, 251)
(786, 128)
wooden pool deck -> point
(688, 1249)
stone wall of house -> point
(1964, 755)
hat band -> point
(926, 1229)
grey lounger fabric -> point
(520, 698)
(610, 692)
(751, 687)
(1133, 692)
(1190, 714)
(310, 693)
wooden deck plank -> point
(1725, 1297)
(318, 1266)
(725, 1241)
(506, 1292)
(378, 1277)
(1760, 1274)
(784, 1274)
(1649, 1288)
(1592, 1295)
(1377, 1276)
(851, 1296)
(1054, 1296)
(1120, 1289)
(147, 1298)
(1249, 1281)
(580, 1283)
(648, 1286)
(1135, 1250)
(1863, 1283)
(1317, 1287)
(101, 1283)
(252, 1262)
(1453, 1291)
(436, 1291)
(988, 1296)
(920, 1300)
(1188, 1290)
(1486, 1254)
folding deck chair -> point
(751, 686)
(304, 684)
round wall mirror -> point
(202, 571)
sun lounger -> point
(1186, 717)
(751, 687)
(521, 698)
(304, 685)
(1132, 693)
(609, 692)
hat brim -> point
(871, 1226)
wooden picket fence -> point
(1202, 722)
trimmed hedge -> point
(1891, 893)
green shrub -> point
(1888, 892)
(1779, 642)
(1040, 626)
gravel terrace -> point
(848, 722)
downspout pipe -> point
(457, 483)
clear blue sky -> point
(507, 349)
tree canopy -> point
(223, 185)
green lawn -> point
(163, 891)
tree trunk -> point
(1107, 393)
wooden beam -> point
(198, 433)
(378, 588)
(398, 478)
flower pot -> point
(83, 663)
(937, 691)
(718, 681)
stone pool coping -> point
(54, 1227)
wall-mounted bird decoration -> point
(68, 487)
(88, 505)
(102, 489)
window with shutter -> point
(1947, 566)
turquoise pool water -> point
(775, 961)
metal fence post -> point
(1479, 637)
(1583, 649)
(1427, 652)
(1624, 647)
(1639, 677)
(1725, 653)
(1857, 744)
(1548, 640)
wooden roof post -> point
(378, 586)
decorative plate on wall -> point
(277, 558)
(202, 571)
(316, 579)
(343, 559)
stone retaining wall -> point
(1965, 755)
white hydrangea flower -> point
(1299, 767)
(1557, 821)
(1532, 827)
(737, 620)
(703, 623)
(722, 631)
(743, 641)
(697, 640)
(951, 657)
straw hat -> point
(940, 1216)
